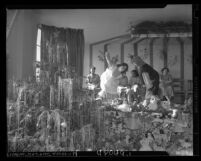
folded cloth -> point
(124, 108)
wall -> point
(173, 51)
(100, 24)
(29, 44)
(15, 48)
(21, 45)
(22, 39)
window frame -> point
(38, 55)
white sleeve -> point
(147, 80)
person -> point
(135, 84)
(166, 83)
(135, 78)
(110, 77)
(123, 83)
(93, 79)
(149, 76)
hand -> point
(106, 53)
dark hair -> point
(135, 72)
(93, 68)
(123, 64)
(164, 69)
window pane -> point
(38, 53)
(39, 37)
(37, 70)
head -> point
(92, 70)
(123, 68)
(134, 73)
(136, 60)
(165, 71)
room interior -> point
(101, 30)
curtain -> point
(62, 48)
(75, 43)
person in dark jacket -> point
(149, 76)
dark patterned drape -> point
(60, 48)
(75, 42)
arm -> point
(107, 57)
(147, 80)
(169, 81)
(161, 81)
(160, 78)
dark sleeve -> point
(153, 74)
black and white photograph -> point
(100, 80)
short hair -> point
(164, 69)
(93, 68)
(135, 72)
(123, 64)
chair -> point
(179, 92)
(189, 90)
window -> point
(38, 54)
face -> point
(165, 71)
(121, 68)
(92, 70)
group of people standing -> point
(143, 76)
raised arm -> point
(107, 57)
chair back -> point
(190, 85)
(178, 85)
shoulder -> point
(96, 75)
(145, 67)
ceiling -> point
(100, 24)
